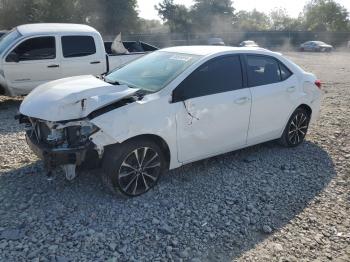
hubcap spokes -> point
(139, 171)
(298, 128)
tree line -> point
(220, 15)
(113, 16)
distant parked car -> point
(248, 43)
(315, 46)
(215, 41)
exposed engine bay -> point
(60, 144)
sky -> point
(293, 7)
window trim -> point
(241, 63)
(21, 41)
(279, 62)
(70, 57)
(290, 71)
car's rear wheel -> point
(296, 129)
(134, 167)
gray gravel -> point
(264, 203)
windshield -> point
(7, 39)
(152, 72)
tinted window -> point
(215, 76)
(285, 72)
(75, 46)
(262, 70)
(38, 48)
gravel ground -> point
(264, 203)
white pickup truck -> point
(33, 54)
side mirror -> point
(13, 57)
(178, 95)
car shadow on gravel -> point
(213, 210)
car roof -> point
(210, 50)
(49, 28)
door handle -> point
(95, 62)
(291, 89)
(53, 66)
(242, 100)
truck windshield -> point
(152, 72)
(7, 39)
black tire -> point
(296, 128)
(133, 167)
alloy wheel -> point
(298, 128)
(139, 171)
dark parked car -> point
(315, 46)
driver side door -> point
(32, 62)
(215, 111)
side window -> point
(77, 46)
(285, 72)
(215, 76)
(262, 70)
(39, 48)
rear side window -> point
(285, 72)
(262, 70)
(77, 46)
(215, 76)
(39, 48)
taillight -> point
(318, 84)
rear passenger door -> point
(80, 56)
(274, 93)
(214, 114)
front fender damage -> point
(71, 143)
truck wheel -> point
(296, 129)
(133, 167)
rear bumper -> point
(54, 157)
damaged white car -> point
(169, 108)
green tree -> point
(177, 17)
(252, 21)
(108, 16)
(212, 15)
(117, 16)
(281, 21)
(325, 15)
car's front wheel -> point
(133, 167)
(296, 129)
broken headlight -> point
(78, 135)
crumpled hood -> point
(72, 98)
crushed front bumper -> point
(54, 157)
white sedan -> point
(169, 108)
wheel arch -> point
(306, 107)
(156, 139)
